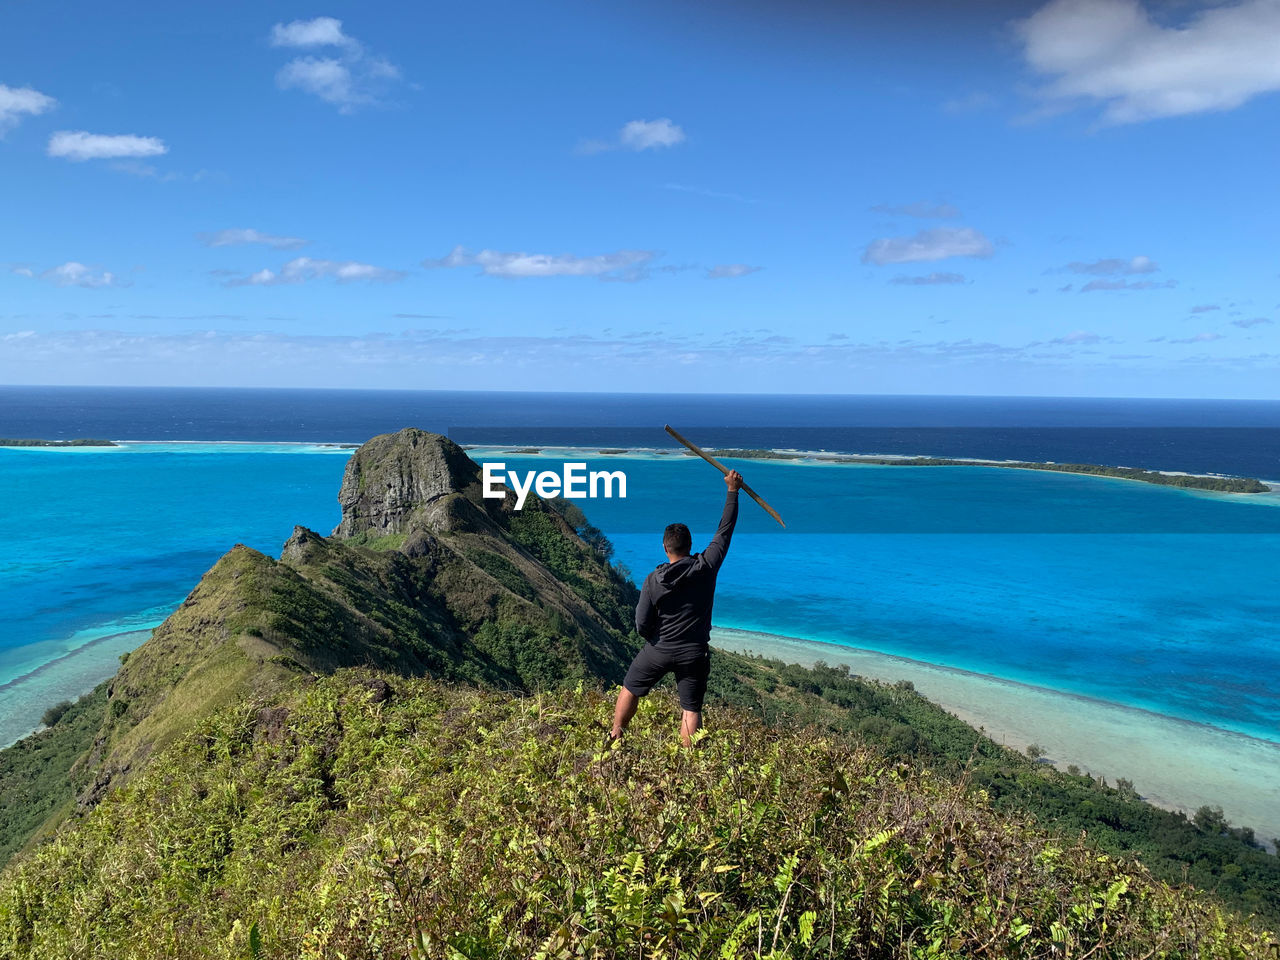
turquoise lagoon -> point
(1143, 596)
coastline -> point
(67, 677)
(1175, 764)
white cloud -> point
(1114, 267)
(926, 211)
(78, 145)
(1251, 322)
(1126, 285)
(650, 134)
(72, 274)
(301, 269)
(454, 357)
(17, 102)
(623, 265)
(328, 79)
(1200, 338)
(930, 279)
(639, 135)
(348, 79)
(939, 243)
(1205, 308)
(320, 32)
(235, 238)
(1113, 53)
(728, 271)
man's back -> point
(674, 616)
(677, 598)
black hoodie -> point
(674, 612)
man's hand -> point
(733, 480)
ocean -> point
(1143, 596)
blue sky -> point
(1066, 198)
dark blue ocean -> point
(1240, 437)
(1145, 596)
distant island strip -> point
(1219, 484)
(1194, 481)
(1216, 483)
(83, 442)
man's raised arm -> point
(714, 555)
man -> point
(674, 617)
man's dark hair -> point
(677, 539)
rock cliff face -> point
(422, 577)
(403, 481)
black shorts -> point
(653, 663)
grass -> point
(442, 821)
(906, 726)
(388, 541)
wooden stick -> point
(723, 469)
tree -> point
(1210, 819)
(1035, 751)
(55, 713)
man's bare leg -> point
(690, 721)
(623, 712)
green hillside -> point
(368, 815)
(389, 741)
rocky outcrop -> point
(399, 482)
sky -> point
(1071, 198)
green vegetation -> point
(367, 816)
(82, 442)
(610, 592)
(388, 541)
(1189, 481)
(905, 726)
(55, 713)
(41, 774)
(749, 454)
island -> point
(1194, 481)
(81, 442)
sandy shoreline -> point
(65, 678)
(1173, 763)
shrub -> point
(445, 822)
(55, 713)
